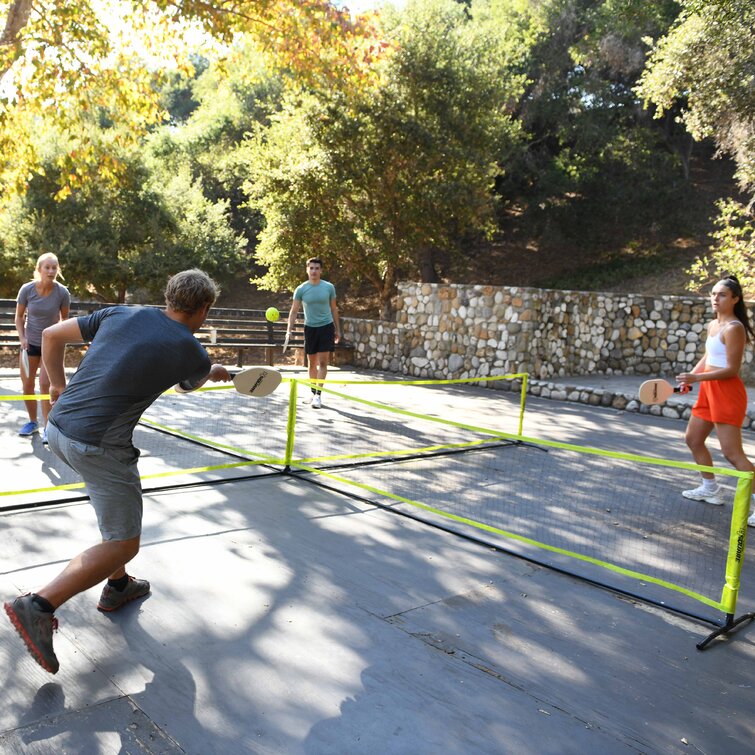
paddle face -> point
(25, 362)
(658, 391)
(285, 343)
(257, 381)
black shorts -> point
(318, 340)
(34, 351)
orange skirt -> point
(722, 401)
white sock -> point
(709, 484)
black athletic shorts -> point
(318, 340)
(34, 351)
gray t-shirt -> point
(41, 311)
(136, 354)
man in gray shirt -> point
(136, 353)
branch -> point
(18, 17)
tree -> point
(228, 99)
(67, 60)
(380, 182)
(582, 65)
(705, 66)
(117, 239)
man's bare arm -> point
(292, 315)
(54, 340)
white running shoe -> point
(714, 496)
(44, 436)
(316, 401)
(751, 520)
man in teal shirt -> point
(321, 327)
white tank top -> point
(715, 351)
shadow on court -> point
(285, 618)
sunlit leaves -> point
(379, 183)
(77, 62)
(707, 65)
(734, 252)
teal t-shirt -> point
(316, 302)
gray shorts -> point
(112, 481)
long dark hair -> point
(740, 310)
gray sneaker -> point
(112, 599)
(35, 628)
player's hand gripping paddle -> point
(257, 381)
(658, 391)
(25, 362)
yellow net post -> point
(735, 559)
(291, 424)
(522, 401)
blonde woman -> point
(40, 303)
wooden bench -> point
(248, 329)
(225, 328)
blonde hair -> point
(43, 258)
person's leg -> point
(113, 483)
(730, 438)
(314, 366)
(318, 370)
(112, 480)
(323, 344)
(107, 559)
(44, 387)
(27, 384)
(697, 433)
(322, 361)
(698, 430)
(32, 614)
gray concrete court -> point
(289, 619)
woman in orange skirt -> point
(722, 400)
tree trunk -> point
(387, 290)
(685, 151)
(426, 262)
(18, 17)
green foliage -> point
(66, 59)
(734, 251)
(114, 240)
(230, 99)
(484, 117)
(378, 183)
(177, 91)
(706, 65)
(597, 171)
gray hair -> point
(190, 290)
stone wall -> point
(463, 331)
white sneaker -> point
(316, 401)
(751, 520)
(308, 399)
(44, 436)
(714, 496)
